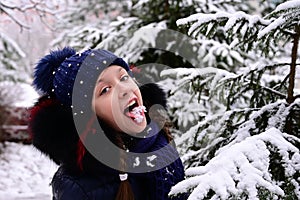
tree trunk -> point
(290, 97)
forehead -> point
(109, 72)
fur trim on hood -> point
(52, 130)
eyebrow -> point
(118, 71)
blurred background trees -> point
(20, 21)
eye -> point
(104, 90)
(124, 78)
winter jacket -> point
(103, 182)
(53, 133)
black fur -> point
(153, 94)
(53, 131)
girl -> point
(107, 135)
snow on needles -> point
(202, 18)
(241, 168)
(271, 27)
(288, 5)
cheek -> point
(107, 110)
(102, 108)
(138, 93)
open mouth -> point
(135, 111)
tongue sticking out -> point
(137, 113)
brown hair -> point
(80, 144)
(163, 121)
(125, 191)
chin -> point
(134, 128)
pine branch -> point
(238, 89)
(247, 29)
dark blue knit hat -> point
(56, 72)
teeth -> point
(131, 103)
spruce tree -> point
(245, 143)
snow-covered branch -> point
(248, 29)
(238, 22)
(241, 168)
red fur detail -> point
(41, 104)
(80, 146)
(80, 154)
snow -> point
(18, 94)
(288, 5)
(185, 75)
(28, 97)
(13, 44)
(201, 18)
(271, 27)
(240, 168)
(140, 3)
(196, 20)
(137, 113)
(143, 38)
(25, 172)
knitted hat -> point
(56, 72)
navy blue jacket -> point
(89, 187)
(101, 182)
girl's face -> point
(115, 96)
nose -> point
(123, 90)
(123, 94)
